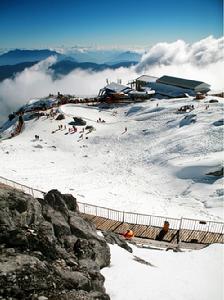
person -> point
(125, 130)
(128, 235)
(163, 231)
(166, 226)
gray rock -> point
(113, 238)
(60, 117)
(218, 173)
(48, 251)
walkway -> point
(150, 232)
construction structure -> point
(142, 82)
(116, 92)
(169, 86)
(193, 85)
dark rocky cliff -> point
(48, 251)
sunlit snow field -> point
(157, 167)
(191, 275)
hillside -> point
(127, 56)
(61, 67)
(158, 166)
(19, 56)
(9, 71)
(64, 67)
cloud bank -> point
(202, 60)
(205, 52)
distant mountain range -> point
(62, 67)
(125, 57)
(9, 71)
(18, 56)
(103, 56)
(15, 61)
(97, 56)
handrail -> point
(130, 217)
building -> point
(142, 81)
(169, 91)
(115, 92)
(196, 86)
(113, 88)
(170, 87)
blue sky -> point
(52, 23)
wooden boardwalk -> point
(150, 232)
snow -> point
(157, 167)
(190, 275)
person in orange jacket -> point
(128, 235)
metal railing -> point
(130, 217)
(24, 188)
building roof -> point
(116, 87)
(169, 90)
(180, 82)
(147, 78)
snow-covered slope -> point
(158, 166)
(160, 274)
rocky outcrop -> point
(60, 117)
(113, 238)
(48, 251)
(218, 173)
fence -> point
(24, 188)
(130, 217)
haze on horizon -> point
(127, 23)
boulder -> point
(48, 251)
(114, 238)
(60, 117)
(218, 173)
(78, 121)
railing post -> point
(222, 231)
(209, 226)
(179, 231)
(150, 220)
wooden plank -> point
(138, 229)
(87, 216)
(122, 228)
(151, 232)
(106, 225)
(98, 221)
(115, 225)
(170, 235)
(185, 235)
(211, 238)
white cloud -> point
(202, 53)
